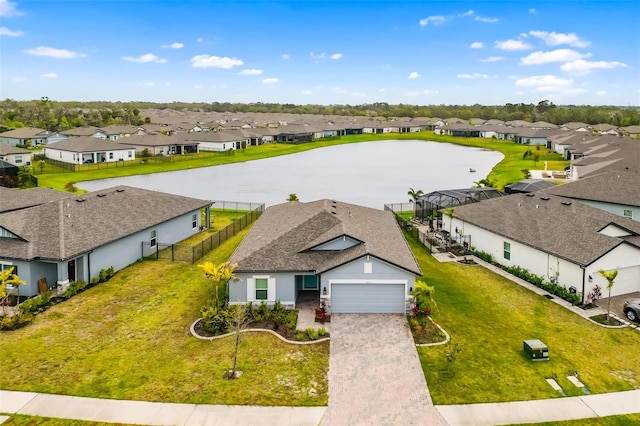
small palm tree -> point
(293, 197)
(423, 293)
(415, 194)
(610, 276)
(7, 277)
(219, 274)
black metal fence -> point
(193, 252)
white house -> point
(82, 150)
(14, 155)
(553, 237)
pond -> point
(368, 173)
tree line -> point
(58, 115)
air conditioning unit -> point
(536, 350)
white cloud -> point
(413, 75)
(307, 92)
(4, 31)
(558, 55)
(173, 46)
(412, 94)
(285, 56)
(50, 75)
(512, 45)
(430, 92)
(545, 83)
(145, 59)
(582, 67)
(19, 79)
(251, 71)
(473, 76)
(381, 90)
(208, 61)
(199, 39)
(476, 45)
(317, 56)
(338, 91)
(486, 20)
(54, 53)
(337, 56)
(555, 39)
(532, 11)
(8, 8)
(468, 13)
(492, 59)
(435, 20)
(147, 84)
(270, 80)
(358, 95)
(601, 92)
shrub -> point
(74, 288)
(35, 304)
(263, 312)
(216, 320)
(322, 332)
(312, 333)
(15, 322)
(105, 274)
(487, 257)
(321, 312)
(299, 335)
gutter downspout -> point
(584, 272)
(89, 267)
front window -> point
(5, 267)
(262, 288)
(111, 156)
(194, 220)
(628, 213)
(130, 154)
(18, 159)
(507, 250)
(154, 240)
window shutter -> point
(271, 293)
(251, 290)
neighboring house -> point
(89, 150)
(75, 237)
(528, 185)
(557, 238)
(14, 155)
(354, 257)
(18, 199)
(25, 136)
(217, 141)
(116, 132)
(159, 144)
(615, 192)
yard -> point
(488, 318)
(129, 338)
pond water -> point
(368, 173)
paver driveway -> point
(375, 376)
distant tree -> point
(415, 194)
(24, 177)
(293, 197)
(71, 187)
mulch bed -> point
(282, 330)
(602, 319)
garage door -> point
(627, 281)
(367, 298)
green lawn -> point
(505, 172)
(129, 339)
(628, 420)
(20, 420)
(489, 316)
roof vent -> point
(102, 195)
(566, 203)
(80, 200)
(544, 198)
(531, 194)
(333, 212)
(120, 190)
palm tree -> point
(449, 212)
(610, 276)
(7, 277)
(293, 197)
(415, 194)
(423, 293)
(219, 274)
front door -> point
(71, 265)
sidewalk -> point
(546, 410)
(153, 413)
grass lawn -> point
(628, 420)
(20, 420)
(489, 316)
(129, 338)
(505, 172)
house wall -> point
(77, 158)
(19, 160)
(217, 146)
(285, 287)
(355, 270)
(617, 209)
(624, 257)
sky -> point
(322, 52)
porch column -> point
(63, 277)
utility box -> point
(536, 350)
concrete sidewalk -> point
(545, 410)
(153, 413)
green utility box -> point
(536, 350)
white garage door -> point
(627, 281)
(367, 298)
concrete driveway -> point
(375, 377)
(617, 302)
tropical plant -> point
(7, 277)
(415, 194)
(70, 187)
(610, 276)
(219, 274)
(293, 197)
(423, 294)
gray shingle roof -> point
(66, 228)
(569, 231)
(88, 144)
(16, 199)
(8, 149)
(22, 132)
(281, 240)
(610, 187)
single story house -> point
(18, 199)
(74, 238)
(24, 136)
(217, 141)
(557, 238)
(85, 149)
(14, 155)
(354, 258)
(159, 144)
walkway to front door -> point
(375, 377)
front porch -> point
(306, 303)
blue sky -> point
(322, 52)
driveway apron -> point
(375, 377)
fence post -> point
(172, 256)
(193, 254)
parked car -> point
(88, 161)
(632, 309)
